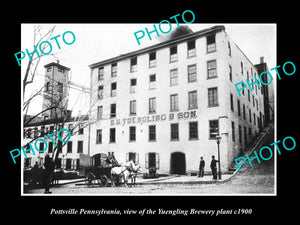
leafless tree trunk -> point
(54, 103)
(32, 65)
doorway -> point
(178, 165)
(68, 164)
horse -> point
(116, 172)
(134, 173)
(133, 169)
(129, 170)
(133, 178)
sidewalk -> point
(71, 181)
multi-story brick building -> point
(164, 105)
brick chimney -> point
(261, 59)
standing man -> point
(109, 159)
(48, 164)
(213, 166)
(201, 167)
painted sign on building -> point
(154, 118)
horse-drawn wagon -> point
(101, 170)
(96, 169)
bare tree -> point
(58, 121)
(38, 37)
(56, 102)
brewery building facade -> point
(164, 105)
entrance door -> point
(178, 163)
(68, 164)
(152, 161)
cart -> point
(96, 170)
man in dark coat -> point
(201, 167)
(213, 166)
(109, 159)
(115, 162)
(48, 173)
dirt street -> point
(258, 179)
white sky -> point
(97, 42)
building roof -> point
(58, 65)
(41, 122)
(182, 38)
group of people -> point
(213, 166)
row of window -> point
(191, 52)
(43, 131)
(60, 146)
(151, 161)
(241, 137)
(244, 109)
(49, 69)
(68, 164)
(174, 132)
(191, 77)
(174, 103)
(59, 87)
(174, 135)
(248, 78)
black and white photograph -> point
(132, 113)
(145, 109)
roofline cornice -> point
(200, 33)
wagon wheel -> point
(89, 179)
(103, 181)
(117, 179)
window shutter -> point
(147, 161)
(157, 160)
(137, 157)
(73, 166)
(127, 156)
(63, 163)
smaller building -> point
(69, 152)
(267, 91)
(55, 116)
(56, 91)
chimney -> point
(69, 113)
(261, 60)
(57, 61)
